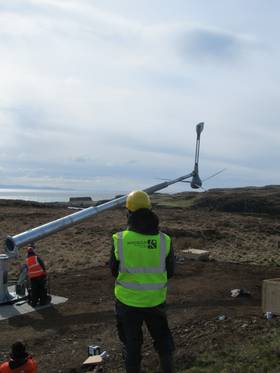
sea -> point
(52, 195)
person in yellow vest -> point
(142, 260)
(20, 361)
(37, 275)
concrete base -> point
(21, 307)
(271, 295)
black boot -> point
(166, 363)
(133, 369)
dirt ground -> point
(244, 250)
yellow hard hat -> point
(137, 200)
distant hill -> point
(261, 200)
(245, 200)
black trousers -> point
(39, 292)
(129, 326)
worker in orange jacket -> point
(37, 275)
(20, 361)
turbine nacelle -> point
(196, 182)
(199, 128)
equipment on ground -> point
(22, 284)
(13, 243)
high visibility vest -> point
(34, 268)
(29, 367)
(142, 278)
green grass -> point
(262, 355)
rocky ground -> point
(241, 230)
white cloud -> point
(90, 93)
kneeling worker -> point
(37, 274)
(20, 361)
(142, 260)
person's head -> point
(30, 249)
(137, 200)
(18, 351)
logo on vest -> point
(152, 244)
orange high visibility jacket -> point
(30, 366)
(34, 268)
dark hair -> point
(18, 350)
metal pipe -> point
(5, 296)
(32, 235)
(13, 243)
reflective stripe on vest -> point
(135, 286)
(34, 267)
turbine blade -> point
(215, 174)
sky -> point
(104, 95)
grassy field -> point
(239, 228)
(260, 355)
